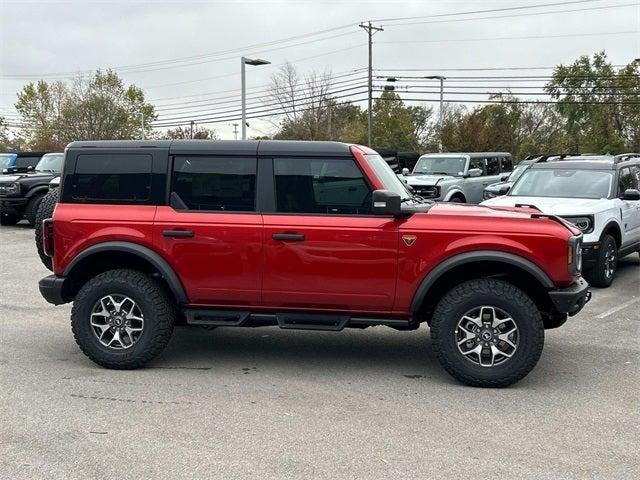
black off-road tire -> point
(157, 307)
(487, 292)
(597, 275)
(8, 219)
(457, 199)
(32, 208)
(45, 210)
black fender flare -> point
(478, 256)
(145, 253)
(37, 190)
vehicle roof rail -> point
(625, 156)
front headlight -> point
(584, 223)
(487, 195)
(574, 255)
(9, 188)
(427, 191)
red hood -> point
(479, 218)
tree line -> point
(594, 108)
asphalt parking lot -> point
(267, 403)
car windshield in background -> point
(51, 162)
(564, 183)
(441, 165)
(388, 176)
(517, 173)
(5, 158)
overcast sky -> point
(44, 38)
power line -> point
(493, 10)
(512, 15)
(529, 37)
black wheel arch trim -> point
(143, 252)
(37, 190)
(478, 256)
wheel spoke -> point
(487, 315)
(476, 321)
(505, 337)
(116, 337)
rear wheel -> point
(32, 209)
(45, 210)
(487, 333)
(122, 319)
(604, 271)
(457, 199)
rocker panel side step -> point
(288, 320)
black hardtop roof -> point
(225, 147)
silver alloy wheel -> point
(117, 321)
(610, 261)
(487, 336)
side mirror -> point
(504, 177)
(406, 171)
(386, 202)
(474, 172)
(504, 190)
(629, 194)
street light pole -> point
(441, 109)
(246, 61)
(142, 125)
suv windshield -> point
(537, 182)
(441, 165)
(51, 162)
(5, 158)
(387, 176)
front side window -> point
(112, 177)
(23, 162)
(320, 186)
(552, 182)
(627, 180)
(216, 183)
(441, 166)
(478, 163)
(51, 162)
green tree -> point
(101, 107)
(396, 126)
(199, 132)
(600, 106)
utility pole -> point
(191, 130)
(235, 130)
(441, 110)
(329, 121)
(371, 30)
(142, 125)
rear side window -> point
(493, 165)
(321, 186)
(506, 164)
(112, 177)
(23, 162)
(214, 183)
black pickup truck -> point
(21, 193)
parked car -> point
(21, 162)
(501, 188)
(45, 211)
(303, 235)
(457, 177)
(21, 194)
(599, 194)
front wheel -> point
(122, 319)
(604, 271)
(487, 333)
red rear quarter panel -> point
(450, 229)
(79, 226)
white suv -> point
(599, 194)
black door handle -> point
(177, 233)
(288, 237)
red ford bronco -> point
(306, 235)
